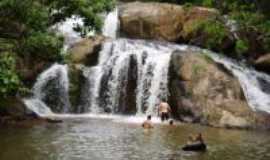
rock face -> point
(86, 50)
(160, 21)
(205, 92)
(29, 68)
(76, 82)
(263, 63)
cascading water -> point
(50, 89)
(256, 85)
(124, 63)
(131, 77)
(111, 24)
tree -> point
(25, 30)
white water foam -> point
(38, 107)
(111, 24)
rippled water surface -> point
(108, 139)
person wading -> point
(164, 111)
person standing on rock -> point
(164, 111)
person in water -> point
(195, 139)
(147, 124)
(190, 140)
(164, 111)
(171, 123)
(199, 138)
(195, 143)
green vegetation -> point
(9, 80)
(241, 46)
(215, 32)
(26, 34)
(253, 25)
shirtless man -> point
(164, 110)
(148, 124)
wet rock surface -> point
(205, 92)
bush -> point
(216, 32)
(241, 47)
(25, 32)
(45, 46)
(207, 33)
(9, 80)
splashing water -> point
(38, 107)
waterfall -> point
(111, 24)
(131, 77)
(50, 91)
(256, 85)
(131, 74)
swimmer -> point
(147, 124)
(171, 123)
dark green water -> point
(105, 139)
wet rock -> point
(29, 68)
(263, 63)
(14, 107)
(14, 112)
(76, 81)
(86, 51)
(203, 91)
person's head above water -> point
(149, 117)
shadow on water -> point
(107, 139)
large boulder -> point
(263, 63)
(160, 21)
(86, 51)
(205, 92)
(12, 106)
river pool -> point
(124, 139)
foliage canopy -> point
(25, 31)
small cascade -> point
(90, 98)
(256, 85)
(111, 24)
(152, 82)
(51, 89)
